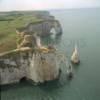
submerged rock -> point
(70, 72)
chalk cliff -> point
(31, 60)
(24, 62)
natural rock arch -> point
(43, 28)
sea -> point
(81, 27)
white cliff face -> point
(43, 67)
(38, 41)
(38, 67)
(12, 74)
(12, 69)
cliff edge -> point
(31, 60)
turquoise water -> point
(81, 27)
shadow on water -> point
(47, 86)
(56, 84)
(12, 86)
(76, 67)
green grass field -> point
(8, 24)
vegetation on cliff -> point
(9, 21)
(21, 26)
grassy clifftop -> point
(9, 21)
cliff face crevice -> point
(38, 67)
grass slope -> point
(8, 24)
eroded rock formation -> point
(43, 28)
